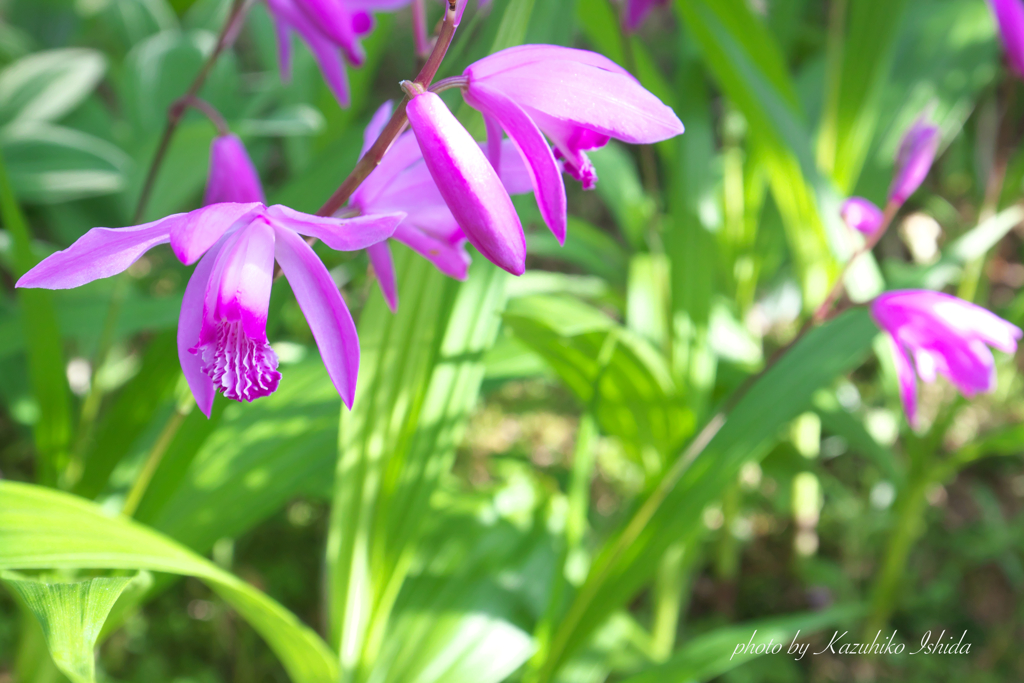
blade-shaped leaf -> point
(46, 85)
(72, 616)
(42, 529)
(778, 396)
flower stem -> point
(228, 33)
(156, 454)
(396, 124)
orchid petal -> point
(404, 152)
(340, 234)
(239, 287)
(373, 130)
(384, 267)
(468, 183)
(521, 55)
(100, 253)
(233, 178)
(333, 19)
(450, 259)
(190, 323)
(191, 238)
(325, 310)
(606, 102)
(907, 381)
(1010, 18)
(544, 172)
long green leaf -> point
(72, 616)
(45, 529)
(777, 397)
(750, 69)
(42, 335)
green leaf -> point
(420, 376)
(45, 86)
(45, 529)
(624, 380)
(588, 247)
(859, 68)
(712, 654)
(622, 192)
(50, 163)
(72, 616)
(782, 393)
(749, 67)
(45, 357)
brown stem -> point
(211, 113)
(174, 113)
(839, 287)
(397, 123)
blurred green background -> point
(502, 503)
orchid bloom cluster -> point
(435, 189)
(941, 334)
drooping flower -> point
(222, 329)
(467, 181)
(402, 183)
(331, 28)
(861, 215)
(1010, 19)
(945, 336)
(579, 99)
(634, 12)
(914, 159)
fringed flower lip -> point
(944, 336)
(222, 340)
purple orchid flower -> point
(467, 181)
(222, 329)
(331, 28)
(402, 183)
(1010, 18)
(946, 336)
(861, 215)
(579, 99)
(914, 159)
(635, 12)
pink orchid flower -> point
(222, 329)
(945, 336)
(1010, 18)
(914, 159)
(861, 215)
(331, 28)
(578, 99)
(402, 183)
(635, 12)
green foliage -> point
(72, 615)
(616, 467)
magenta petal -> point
(1010, 18)
(100, 253)
(325, 310)
(190, 322)
(332, 18)
(521, 55)
(373, 130)
(907, 381)
(494, 136)
(191, 238)
(861, 215)
(468, 183)
(403, 153)
(240, 285)
(384, 268)
(577, 93)
(233, 178)
(340, 234)
(544, 172)
(450, 259)
(914, 159)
